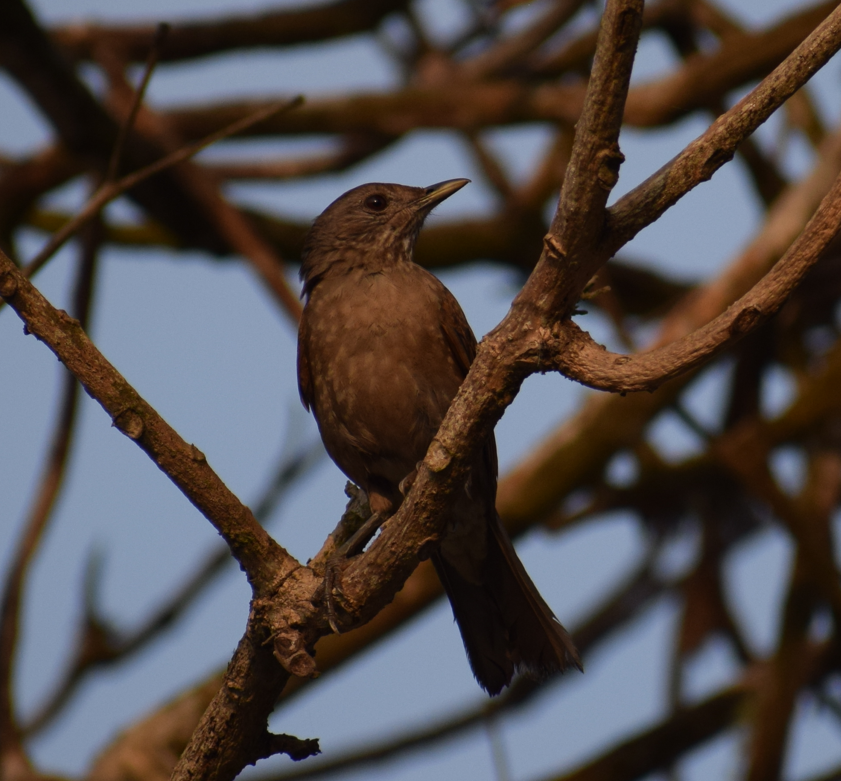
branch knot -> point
(438, 457)
(746, 320)
(8, 285)
(553, 248)
(608, 164)
(129, 422)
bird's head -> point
(373, 225)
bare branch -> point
(87, 130)
(581, 359)
(704, 156)
(140, 92)
(111, 190)
(467, 105)
(190, 39)
(577, 452)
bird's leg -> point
(359, 539)
(354, 544)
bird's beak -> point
(435, 193)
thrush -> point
(383, 347)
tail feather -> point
(541, 644)
(505, 624)
(482, 628)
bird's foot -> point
(335, 564)
(331, 569)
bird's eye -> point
(376, 203)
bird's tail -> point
(505, 624)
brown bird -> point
(383, 347)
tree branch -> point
(704, 156)
(578, 357)
(189, 40)
(263, 560)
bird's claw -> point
(405, 485)
(329, 602)
(351, 547)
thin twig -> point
(125, 128)
(111, 190)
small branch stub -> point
(130, 423)
(746, 320)
(609, 162)
(8, 286)
(438, 458)
(553, 248)
(716, 159)
(292, 657)
(295, 748)
(197, 455)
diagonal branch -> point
(230, 222)
(200, 39)
(139, 95)
(254, 677)
(85, 127)
(260, 556)
(114, 189)
(582, 359)
(704, 156)
(576, 453)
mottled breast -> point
(384, 370)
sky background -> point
(205, 345)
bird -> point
(383, 347)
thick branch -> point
(233, 732)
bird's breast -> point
(383, 375)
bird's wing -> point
(304, 375)
(457, 332)
(462, 344)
